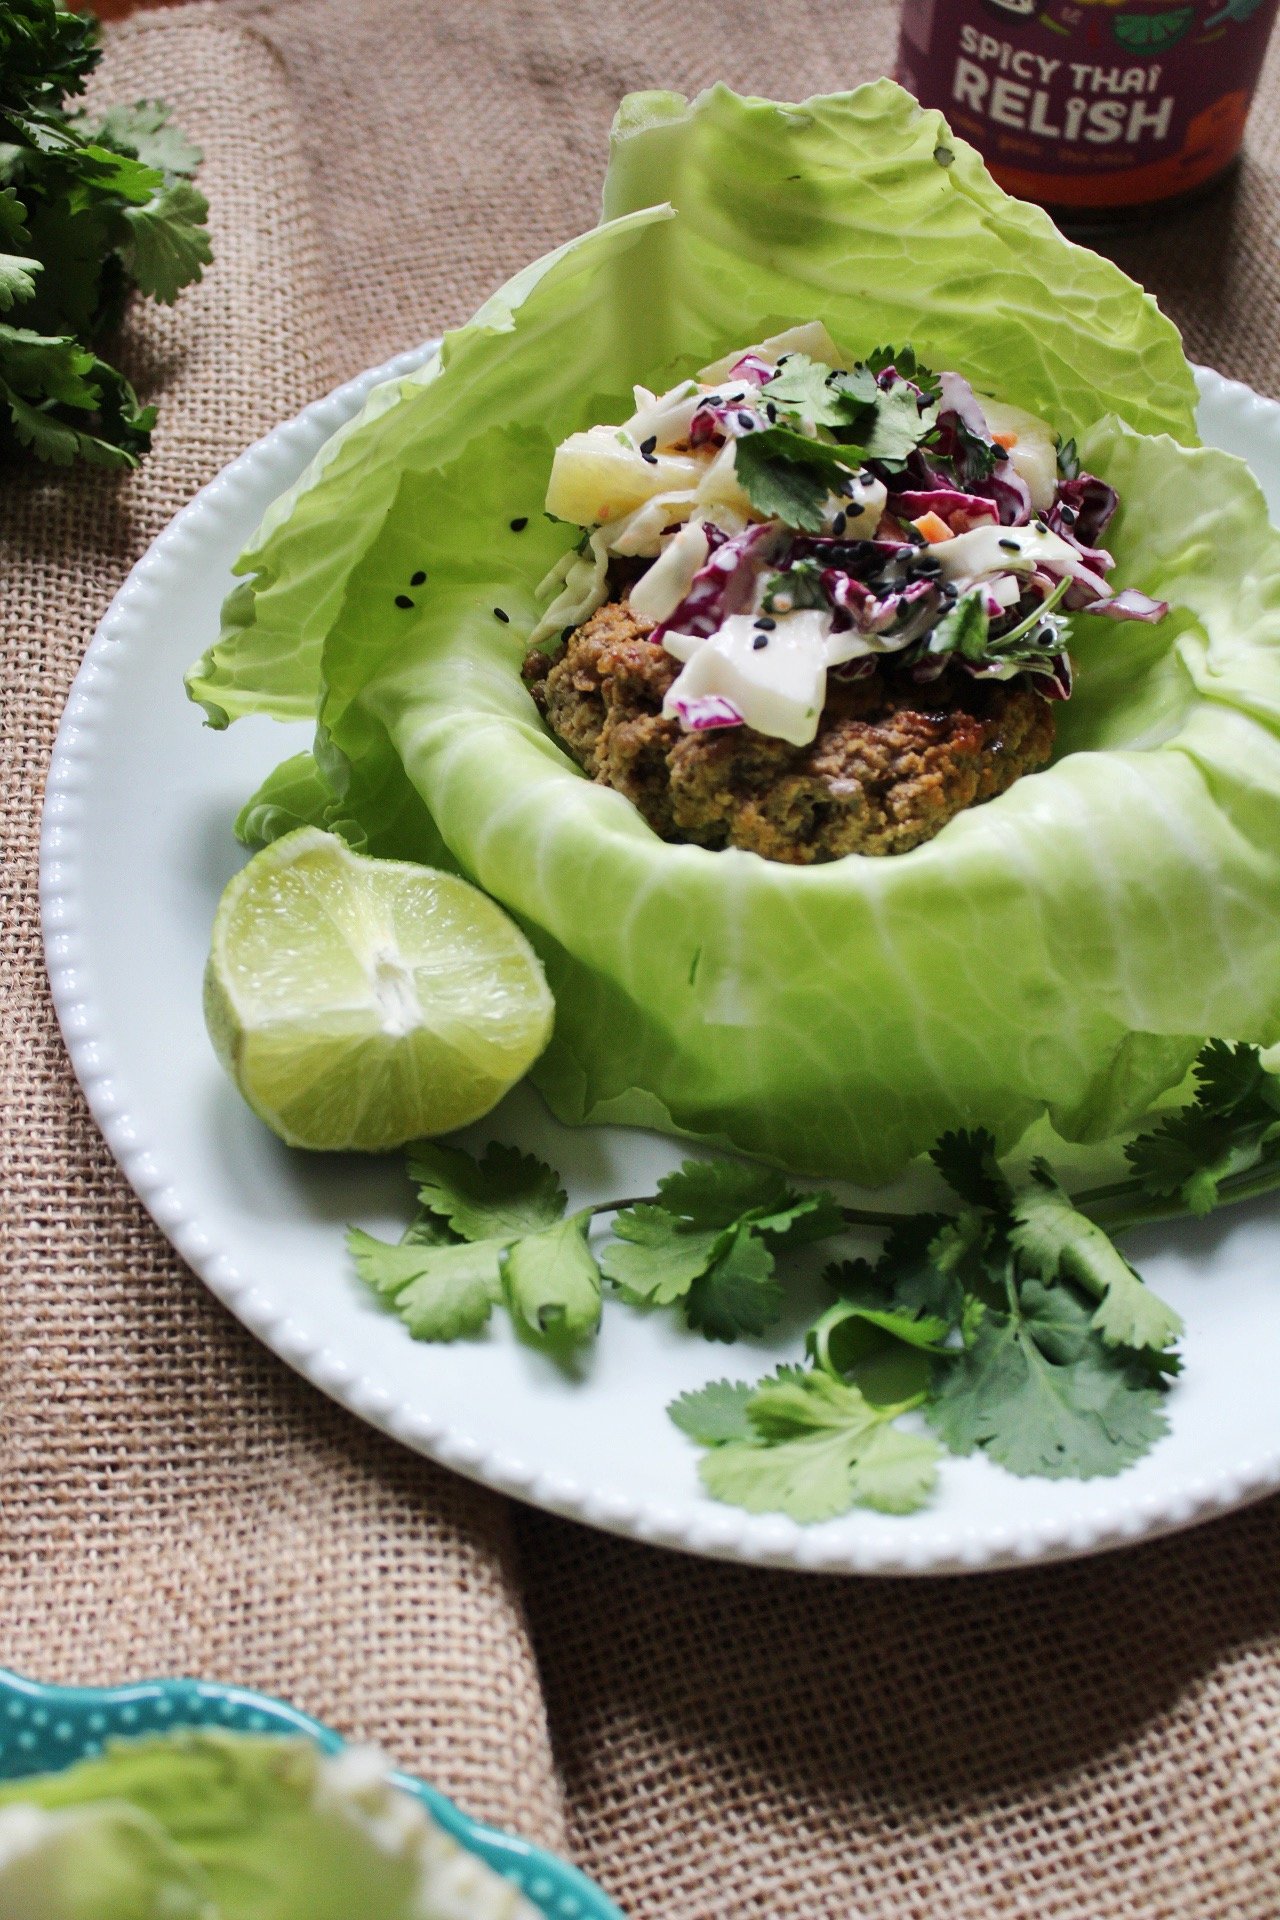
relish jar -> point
(1098, 109)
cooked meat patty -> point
(891, 764)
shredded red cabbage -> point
(1083, 509)
(961, 511)
(726, 584)
(705, 712)
(1129, 604)
(751, 367)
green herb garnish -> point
(91, 208)
(789, 477)
(1010, 1323)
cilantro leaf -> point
(808, 388)
(716, 1193)
(900, 426)
(1068, 459)
(17, 279)
(820, 1448)
(657, 1255)
(440, 1292)
(104, 177)
(12, 218)
(833, 1339)
(502, 1195)
(1051, 1238)
(83, 410)
(40, 367)
(801, 1219)
(967, 1162)
(714, 1413)
(425, 1230)
(876, 420)
(788, 477)
(167, 247)
(1232, 1126)
(1039, 1392)
(17, 270)
(915, 1272)
(958, 1255)
(905, 362)
(974, 458)
(1184, 1158)
(551, 1282)
(145, 131)
(45, 53)
(883, 1352)
(737, 1293)
(710, 1239)
(964, 628)
(1232, 1080)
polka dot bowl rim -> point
(46, 1728)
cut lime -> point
(361, 1003)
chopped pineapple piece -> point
(598, 476)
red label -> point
(1091, 103)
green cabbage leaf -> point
(1064, 948)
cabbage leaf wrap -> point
(1063, 948)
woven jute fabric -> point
(172, 1500)
(1077, 1742)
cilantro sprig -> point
(826, 423)
(92, 208)
(1008, 1322)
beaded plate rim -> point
(926, 1545)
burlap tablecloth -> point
(1085, 1741)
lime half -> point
(361, 1003)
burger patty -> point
(891, 764)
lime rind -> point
(360, 1003)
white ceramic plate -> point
(137, 847)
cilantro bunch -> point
(1008, 1322)
(92, 207)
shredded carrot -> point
(1005, 440)
(933, 527)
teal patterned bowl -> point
(45, 1728)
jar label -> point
(1090, 103)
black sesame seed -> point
(1010, 546)
(403, 600)
(1040, 526)
(766, 624)
(505, 618)
(419, 578)
(928, 563)
(761, 640)
(518, 526)
(746, 421)
(771, 410)
(1069, 516)
(647, 447)
(999, 453)
(839, 524)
